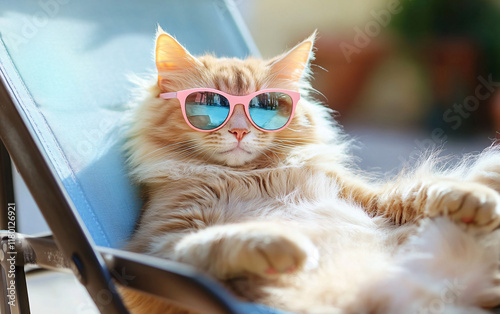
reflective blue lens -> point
(206, 110)
(271, 111)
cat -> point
(285, 219)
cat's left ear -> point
(171, 57)
(294, 65)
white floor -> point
(58, 293)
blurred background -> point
(404, 76)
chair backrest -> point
(68, 63)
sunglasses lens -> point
(271, 111)
(206, 110)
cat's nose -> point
(238, 124)
(239, 133)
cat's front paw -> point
(469, 203)
(269, 253)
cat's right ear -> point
(291, 67)
(171, 56)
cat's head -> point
(163, 132)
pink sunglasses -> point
(208, 110)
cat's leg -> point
(265, 249)
(427, 194)
(468, 203)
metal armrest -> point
(171, 280)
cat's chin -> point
(235, 157)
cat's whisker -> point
(201, 153)
(283, 147)
(179, 151)
(278, 150)
(269, 149)
(213, 153)
(167, 146)
(268, 157)
(185, 149)
(181, 154)
(196, 152)
(287, 141)
(187, 153)
(292, 143)
(290, 139)
(283, 144)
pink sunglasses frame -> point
(233, 101)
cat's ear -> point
(171, 56)
(294, 65)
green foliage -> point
(427, 21)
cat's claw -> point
(471, 204)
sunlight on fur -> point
(285, 219)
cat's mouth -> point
(235, 149)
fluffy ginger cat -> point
(274, 210)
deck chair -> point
(63, 71)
